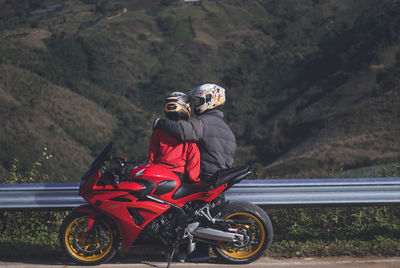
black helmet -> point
(177, 106)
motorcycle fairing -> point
(149, 192)
(128, 227)
(125, 213)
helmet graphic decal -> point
(209, 96)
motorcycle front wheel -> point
(89, 247)
(254, 224)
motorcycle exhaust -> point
(213, 234)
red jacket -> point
(181, 157)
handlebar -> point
(122, 160)
(120, 169)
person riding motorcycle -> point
(182, 158)
(149, 209)
(217, 143)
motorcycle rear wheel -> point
(88, 248)
(259, 233)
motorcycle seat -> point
(228, 175)
(231, 175)
(188, 189)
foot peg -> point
(192, 226)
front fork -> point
(93, 216)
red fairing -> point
(154, 173)
(127, 203)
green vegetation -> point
(298, 232)
(310, 84)
(306, 232)
(355, 231)
(312, 91)
(30, 234)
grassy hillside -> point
(313, 86)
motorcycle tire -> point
(259, 234)
(98, 246)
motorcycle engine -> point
(163, 228)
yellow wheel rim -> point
(86, 249)
(256, 236)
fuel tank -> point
(157, 179)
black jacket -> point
(216, 141)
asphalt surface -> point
(339, 262)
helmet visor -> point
(199, 101)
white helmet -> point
(208, 97)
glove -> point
(158, 122)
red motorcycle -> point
(150, 205)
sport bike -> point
(149, 205)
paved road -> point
(342, 262)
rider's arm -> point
(182, 130)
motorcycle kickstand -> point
(172, 253)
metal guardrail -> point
(40, 196)
(269, 193)
(318, 192)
